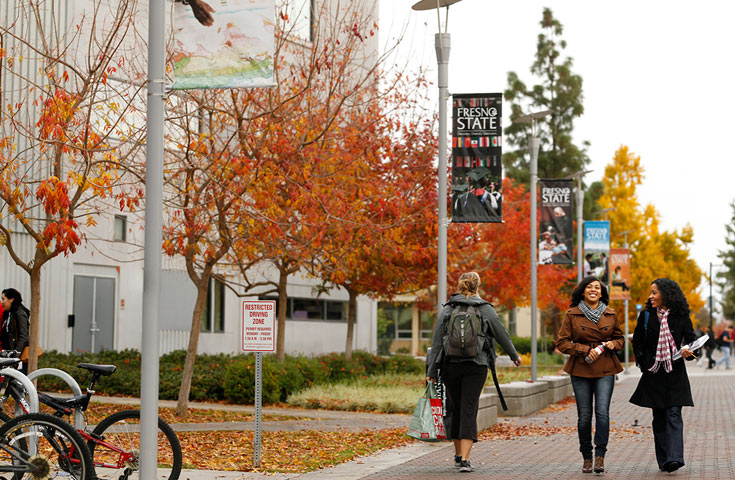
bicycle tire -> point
(52, 458)
(122, 430)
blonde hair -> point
(468, 283)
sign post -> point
(258, 335)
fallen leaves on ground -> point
(291, 452)
(559, 406)
(98, 411)
(511, 431)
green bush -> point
(523, 344)
(225, 377)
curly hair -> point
(671, 296)
(468, 283)
(578, 293)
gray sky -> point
(658, 77)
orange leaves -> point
(55, 196)
(64, 234)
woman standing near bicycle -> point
(15, 322)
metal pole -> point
(442, 44)
(258, 407)
(153, 237)
(580, 222)
(625, 303)
(533, 147)
(710, 296)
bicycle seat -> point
(9, 362)
(103, 370)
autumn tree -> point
(654, 252)
(381, 194)
(67, 137)
(727, 277)
(559, 90)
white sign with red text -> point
(258, 325)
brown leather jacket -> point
(578, 335)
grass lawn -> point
(389, 393)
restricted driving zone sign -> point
(258, 325)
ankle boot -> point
(587, 465)
(599, 464)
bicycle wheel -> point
(122, 430)
(38, 446)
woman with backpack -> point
(463, 347)
(15, 322)
(590, 334)
(663, 328)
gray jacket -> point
(492, 329)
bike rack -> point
(75, 389)
(28, 385)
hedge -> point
(223, 377)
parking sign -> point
(258, 325)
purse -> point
(427, 423)
(26, 351)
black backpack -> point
(463, 329)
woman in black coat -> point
(15, 323)
(663, 328)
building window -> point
(313, 309)
(213, 316)
(120, 228)
(400, 321)
(300, 18)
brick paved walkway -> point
(709, 435)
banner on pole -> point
(597, 249)
(477, 168)
(620, 274)
(258, 325)
(228, 44)
(555, 223)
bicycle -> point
(115, 441)
(38, 446)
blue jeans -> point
(726, 356)
(584, 390)
(668, 435)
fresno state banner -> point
(477, 169)
(555, 225)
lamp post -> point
(711, 307)
(442, 44)
(625, 303)
(580, 221)
(533, 148)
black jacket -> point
(15, 328)
(661, 389)
(492, 329)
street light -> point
(533, 147)
(625, 302)
(580, 222)
(442, 44)
(710, 291)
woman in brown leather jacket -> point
(590, 334)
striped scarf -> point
(593, 315)
(666, 345)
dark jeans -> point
(668, 435)
(464, 382)
(584, 390)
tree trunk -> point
(33, 320)
(351, 317)
(282, 307)
(182, 405)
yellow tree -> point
(655, 253)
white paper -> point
(696, 344)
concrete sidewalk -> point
(630, 452)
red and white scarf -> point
(666, 345)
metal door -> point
(94, 313)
